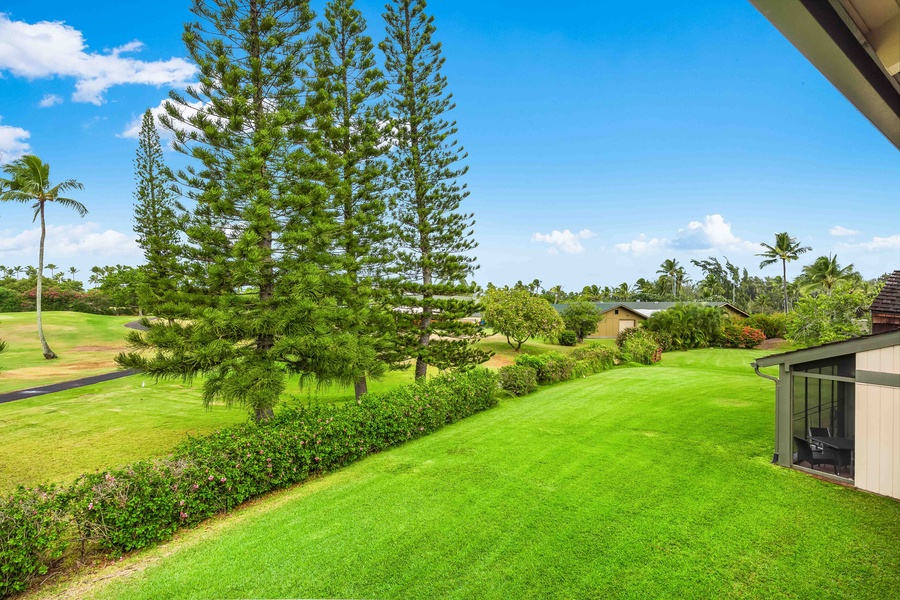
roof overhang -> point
(851, 346)
(856, 46)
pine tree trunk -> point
(48, 353)
(263, 414)
(361, 387)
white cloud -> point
(67, 241)
(840, 231)
(882, 243)
(12, 143)
(713, 234)
(133, 129)
(54, 49)
(50, 100)
(564, 241)
(642, 245)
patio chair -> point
(806, 454)
(818, 432)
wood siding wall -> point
(609, 326)
(878, 425)
(878, 439)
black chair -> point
(818, 432)
(806, 454)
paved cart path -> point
(74, 383)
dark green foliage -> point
(518, 380)
(10, 300)
(567, 337)
(582, 318)
(687, 325)
(738, 335)
(260, 297)
(832, 317)
(663, 339)
(155, 220)
(773, 325)
(641, 347)
(595, 357)
(32, 529)
(350, 115)
(434, 260)
(143, 503)
(550, 368)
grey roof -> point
(851, 346)
(888, 300)
(647, 308)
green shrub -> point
(550, 368)
(642, 347)
(32, 526)
(567, 338)
(518, 380)
(686, 326)
(773, 325)
(597, 358)
(141, 504)
(10, 300)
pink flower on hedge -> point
(181, 503)
(318, 459)
(183, 515)
(195, 486)
(91, 506)
(222, 480)
(211, 477)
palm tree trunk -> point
(48, 353)
(784, 282)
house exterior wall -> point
(609, 326)
(878, 421)
(733, 313)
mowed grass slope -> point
(649, 482)
(86, 345)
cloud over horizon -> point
(12, 143)
(713, 234)
(65, 242)
(563, 241)
(841, 231)
(53, 49)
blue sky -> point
(603, 137)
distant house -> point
(886, 306)
(619, 316)
(837, 410)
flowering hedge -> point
(146, 502)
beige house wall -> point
(878, 439)
(883, 360)
(609, 326)
(878, 425)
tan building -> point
(618, 316)
(837, 411)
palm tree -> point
(29, 181)
(73, 271)
(53, 269)
(825, 273)
(556, 291)
(785, 249)
(670, 267)
(16, 271)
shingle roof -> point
(645, 308)
(888, 300)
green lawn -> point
(649, 482)
(86, 345)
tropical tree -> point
(582, 318)
(786, 249)
(155, 218)
(73, 271)
(434, 259)
(519, 315)
(29, 181)
(832, 317)
(258, 301)
(670, 267)
(53, 269)
(350, 116)
(825, 274)
(557, 292)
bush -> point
(144, 503)
(567, 338)
(32, 526)
(642, 347)
(737, 336)
(772, 325)
(10, 300)
(687, 326)
(518, 380)
(595, 358)
(550, 367)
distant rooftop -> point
(888, 300)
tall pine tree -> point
(155, 219)
(350, 120)
(434, 259)
(259, 303)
